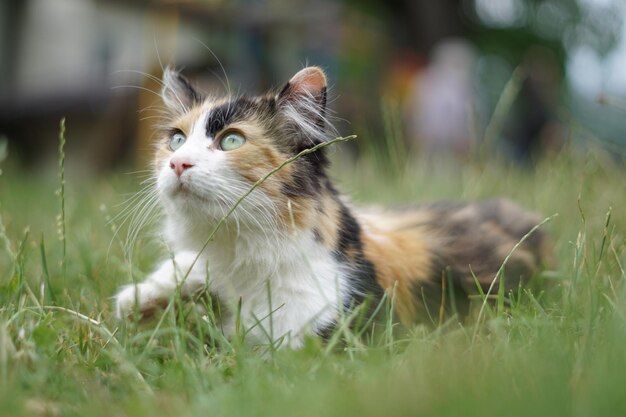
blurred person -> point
(438, 108)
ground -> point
(554, 349)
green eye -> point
(232, 141)
(177, 140)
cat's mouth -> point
(182, 189)
(187, 191)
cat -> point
(294, 255)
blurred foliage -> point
(510, 27)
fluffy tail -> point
(473, 240)
(435, 256)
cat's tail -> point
(473, 242)
(443, 254)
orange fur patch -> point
(402, 261)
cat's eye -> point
(232, 140)
(177, 140)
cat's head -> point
(211, 150)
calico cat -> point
(294, 252)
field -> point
(557, 349)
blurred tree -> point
(417, 24)
(509, 27)
(540, 35)
(11, 17)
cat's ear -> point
(178, 94)
(303, 100)
(305, 91)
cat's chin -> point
(183, 191)
(184, 196)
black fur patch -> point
(304, 183)
(349, 251)
(309, 173)
(284, 90)
(317, 163)
(317, 236)
(189, 90)
(326, 331)
(228, 113)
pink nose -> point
(179, 167)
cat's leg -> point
(157, 290)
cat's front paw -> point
(144, 298)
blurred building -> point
(97, 62)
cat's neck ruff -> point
(191, 233)
(246, 263)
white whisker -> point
(225, 82)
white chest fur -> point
(288, 285)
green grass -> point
(557, 350)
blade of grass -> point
(61, 194)
(46, 273)
(505, 102)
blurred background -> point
(522, 78)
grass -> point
(557, 350)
